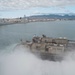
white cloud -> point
(22, 4)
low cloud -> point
(17, 60)
(23, 4)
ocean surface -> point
(19, 61)
(10, 34)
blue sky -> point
(18, 8)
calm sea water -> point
(11, 34)
(19, 61)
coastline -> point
(6, 21)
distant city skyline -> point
(19, 8)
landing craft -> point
(49, 48)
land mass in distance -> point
(37, 18)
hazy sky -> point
(17, 8)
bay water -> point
(19, 61)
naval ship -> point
(49, 48)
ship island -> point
(49, 48)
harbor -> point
(36, 18)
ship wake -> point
(20, 61)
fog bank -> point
(19, 61)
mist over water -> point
(19, 61)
